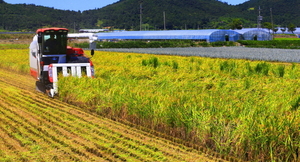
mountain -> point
(156, 14)
(125, 14)
(30, 17)
(283, 12)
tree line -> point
(153, 15)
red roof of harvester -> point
(45, 29)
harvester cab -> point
(49, 55)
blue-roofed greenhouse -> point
(208, 35)
(254, 34)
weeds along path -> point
(34, 127)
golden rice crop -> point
(15, 59)
(249, 109)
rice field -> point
(244, 108)
(35, 127)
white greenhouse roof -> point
(244, 30)
(210, 35)
(254, 34)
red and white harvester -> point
(49, 56)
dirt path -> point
(37, 128)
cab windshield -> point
(54, 42)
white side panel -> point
(33, 52)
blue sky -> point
(84, 5)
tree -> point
(236, 24)
(291, 27)
(99, 23)
(267, 25)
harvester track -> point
(35, 127)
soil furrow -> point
(52, 116)
(112, 136)
(118, 128)
(50, 130)
(9, 144)
(27, 135)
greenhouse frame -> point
(254, 34)
(208, 35)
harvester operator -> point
(51, 44)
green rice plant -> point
(248, 68)
(247, 84)
(295, 104)
(292, 71)
(280, 71)
(227, 66)
(144, 62)
(230, 67)
(151, 62)
(262, 68)
(154, 61)
(174, 65)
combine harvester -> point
(49, 56)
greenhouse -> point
(254, 34)
(208, 35)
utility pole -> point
(141, 12)
(272, 21)
(259, 19)
(164, 15)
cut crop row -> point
(55, 115)
(42, 134)
(50, 102)
(75, 132)
(55, 134)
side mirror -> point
(92, 52)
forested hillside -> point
(283, 12)
(178, 14)
(125, 14)
(30, 17)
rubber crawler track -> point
(37, 128)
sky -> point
(83, 5)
